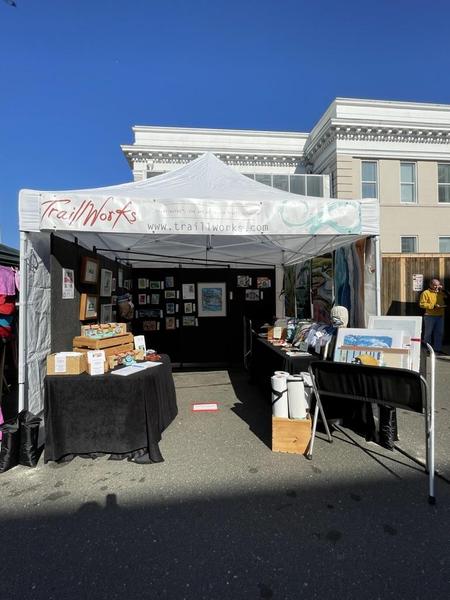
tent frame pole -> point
(23, 305)
(378, 266)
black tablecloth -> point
(86, 415)
(267, 358)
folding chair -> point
(396, 388)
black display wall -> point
(212, 339)
(65, 316)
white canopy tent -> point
(203, 212)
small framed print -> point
(170, 294)
(105, 282)
(154, 299)
(171, 323)
(212, 300)
(263, 282)
(120, 278)
(113, 284)
(142, 299)
(106, 311)
(155, 285)
(150, 325)
(89, 269)
(244, 281)
(252, 295)
(113, 300)
(88, 307)
(188, 291)
(127, 284)
(189, 321)
(188, 308)
(169, 282)
(142, 283)
(170, 308)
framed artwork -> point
(155, 285)
(113, 300)
(150, 325)
(88, 307)
(68, 284)
(106, 311)
(371, 346)
(410, 325)
(142, 299)
(170, 308)
(212, 300)
(89, 269)
(170, 294)
(244, 281)
(252, 295)
(120, 278)
(171, 323)
(263, 282)
(188, 290)
(105, 282)
(127, 284)
(142, 283)
(113, 284)
(188, 308)
(169, 282)
(154, 299)
(189, 321)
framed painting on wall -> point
(212, 300)
(105, 282)
(89, 269)
(88, 307)
(106, 311)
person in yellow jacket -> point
(433, 301)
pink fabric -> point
(7, 281)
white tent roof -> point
(202, 211)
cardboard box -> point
(291, 435)
(73, 364)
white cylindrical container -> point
(279, 396)
(283, 373)
(307, 384)
(296, 397)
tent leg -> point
(378, 266)
(22, 318)
(430, 426)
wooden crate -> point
(290, 435)
(81, 341)
(110, 351)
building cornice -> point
(135, 155)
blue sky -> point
(76, 75)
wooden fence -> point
(397, 294)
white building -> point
(398, 152)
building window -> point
(409, 243)
(407, 182)
(304, 185)
(444, 182)
(444, 243)
(369, 179)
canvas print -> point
(252, 295)
(212, 300)
(188, 290)
(142, 283)
(155, 285)
(169, 281)
(322, 287)
(263, 282)
(189, 321)
(244, 281)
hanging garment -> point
(7, 305)
(7, 281)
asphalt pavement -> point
(224, 517)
